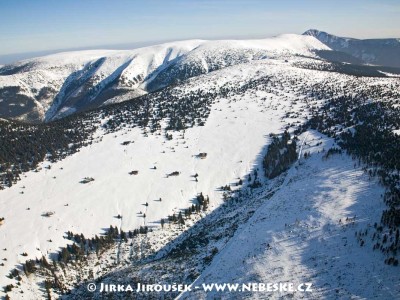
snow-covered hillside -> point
(215, 55)
(150, 159)
(57, 85)
(147, 165)
(65, 82)
(305, 233)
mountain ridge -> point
(384, 52)
(53, 86)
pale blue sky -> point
(43, 25)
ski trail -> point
(302, 144)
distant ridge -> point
(383, 52)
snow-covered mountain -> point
(215, 55)
(50, 87)
(384, 52)
(172, 186)
(56, 85)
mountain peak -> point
(313, 32)
(320, 35)
(382, 52)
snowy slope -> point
(60, 84)
(61, 81)
(215, 55)
(115, 192)
(305, 234)
(234, 137)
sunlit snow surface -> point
(312, 247)
(306, 233)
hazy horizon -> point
(36, 28)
